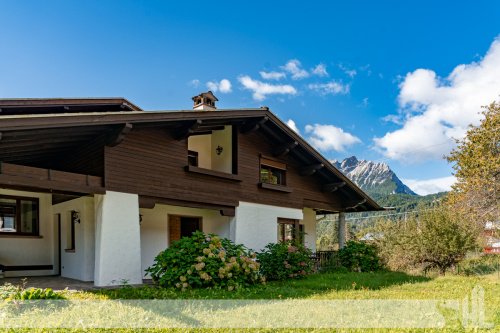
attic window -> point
(272, 172)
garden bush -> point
(10, 292)
(285, 260)
(480, 265)
(202, 261)
(359, 257)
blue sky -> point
(382, 80)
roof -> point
(31, 137)
(17, 106)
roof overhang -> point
(24, 134)
(24, 106)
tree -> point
(433, 238)
(477, 164)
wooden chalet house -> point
(94, 188)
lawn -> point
(327, 287)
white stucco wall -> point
(80, 263)
(117, 239)
(154, 228)
(224, 161)
(309, 222)
(17, 251)
(256, 225)
(203, 145)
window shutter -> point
(174, 229)
(273, 164)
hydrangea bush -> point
(202, 261)
(285, 260)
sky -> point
(387, 81)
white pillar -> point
(117, 239)
(341, 230)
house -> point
(94, 188)
(492, 233)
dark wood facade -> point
(151, 163)
(146, 153)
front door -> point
(182, 226)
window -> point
(192, 158)
(287, 230)
(182, 226)
(70, 231)
(18, 215)
(272, 172)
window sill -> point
(14, 235)
(213, 173)
(274, 187)
(69, 250)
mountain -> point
(377, 179)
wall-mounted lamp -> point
(219, 150)
(75, 216)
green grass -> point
(334, 286)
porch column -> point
(341, 230)
(117, 239)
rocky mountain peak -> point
(372, 177)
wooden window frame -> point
(36, 226)
(72, 243)
(270, 165)
(297, 227)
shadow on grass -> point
(315, 284)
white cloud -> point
(272, 75)
(293, 126)
(294, 67)
(435, 110)
(262, 89)
(224, 86)
(330, 88)
(329, 137)
(348, 71)
(429, 186)
(320, 70)
(195, 83)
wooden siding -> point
(87, 158)
(149, 162)
(25, 177)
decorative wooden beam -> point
(228, 212)
(188, 130)
(117, 137)
(253, 126)
(332, 187)
(284, 149)
(311, 169)
(362, 202)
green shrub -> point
(285, 260)
(205, 261)
(359, 257)
(482, 265)
(10, 292)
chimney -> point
(205, 101)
